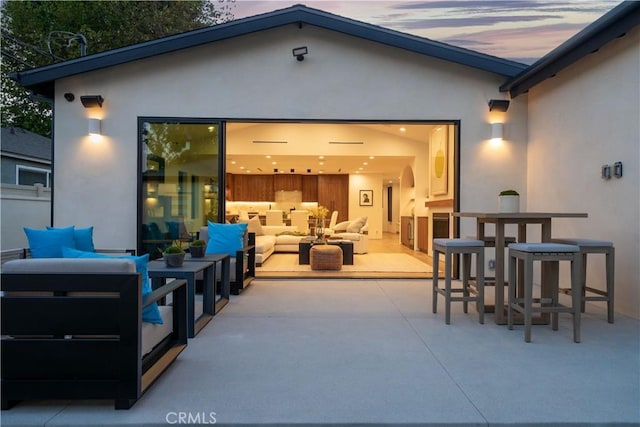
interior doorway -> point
(373, 155)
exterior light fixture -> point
(501, 105)
(293, 170)
(300, 52)
(92, 101)
(95, 127)
(496, 131)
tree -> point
(38, 33)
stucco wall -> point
(585, 117)
(256, 76)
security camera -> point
(69, 96)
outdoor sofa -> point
(72, 329)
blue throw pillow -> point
(82, 236)
(49, 243)
(150, 313)
(225, 238)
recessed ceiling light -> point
(274, 163)
(241, 167)
(372, 157)
(365, 163)
(321, 163)
(248, 171)
(360, 169)
(403, 129)
(233, 162)
(268, 156)
(321, 157)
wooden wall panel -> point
(333, 193)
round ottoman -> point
(325, 257)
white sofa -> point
(357, 231)
(269, 239)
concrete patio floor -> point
(367, 352)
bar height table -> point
(521, 219)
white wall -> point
(255, 76)
(373, 213)
(23, 206)
(586, 116)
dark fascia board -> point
(41, 80)
(616, 23)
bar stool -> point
(588, 246)
(543, 252)
(490, 242)
(466, 247)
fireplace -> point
(440, 225)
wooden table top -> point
(521, 215)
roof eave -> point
(41, 80)
(615, 24)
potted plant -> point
(509, 201)
(196, 248)
(320, 214)
(174, 255)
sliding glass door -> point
(180, 181)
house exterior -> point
(26, 182)
(244, 72)
(26, 157)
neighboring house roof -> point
(40, 80)
(614, 24)
(26, 144)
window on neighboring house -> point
(26, 175)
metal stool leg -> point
(436, 265)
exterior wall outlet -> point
(492, 264)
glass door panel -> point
(180, 182)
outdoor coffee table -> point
(225, 283)
(305, 246)
(158, 272)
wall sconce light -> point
(275, 170)
(92, 101)
(293, 170)
(95, 127)
(617, 169)
(497, 131)
(501, 105)
(300, 52)
(606, 172)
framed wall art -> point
(439, 160)
(366, 197)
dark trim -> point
(222, 171)
(612, 25)
(41, 80)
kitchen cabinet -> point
(423, 234)
(258, 188)
(287, 182)
(309, 188)
(228, 193)
(333, 193)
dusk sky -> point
(522, 30)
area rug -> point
(368, 263)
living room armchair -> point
(356, 231)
